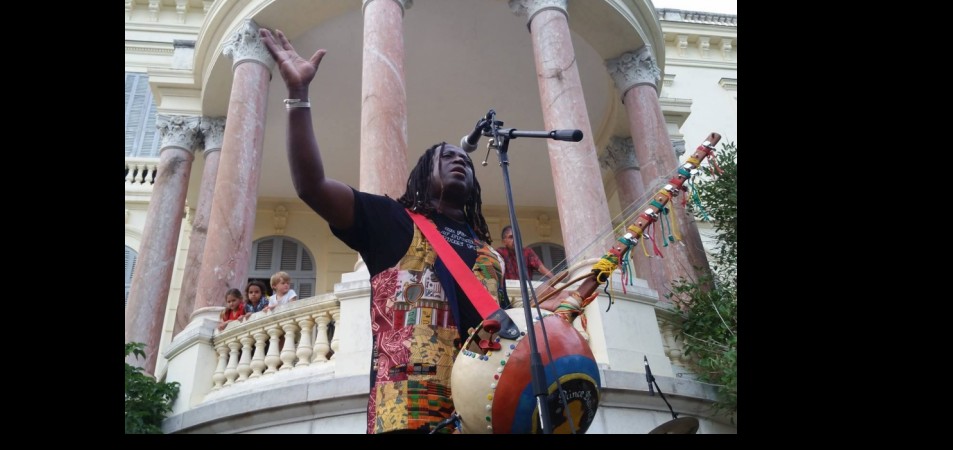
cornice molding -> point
(699, 17)
(691, 62)
(728, 84)
(162, 27)
(146, 49)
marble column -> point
(620, 159)
(637, 76)
(384, 99)
(149, 292)
(213, 130)
(580, 196)
(232, 218)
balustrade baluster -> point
(321, 345)
(258, 361)
(140, 168)
(244, 364)
(304, 344)
(130, 174)
(231, 370)
(271, 359)
(218, 378)
(288, 352)
(335, 340)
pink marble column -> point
(232, 217)
(149, 292)
(384, 99)
(620, 159)
(580, 196)
(213, 130)
(636, 74)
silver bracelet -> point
(296, 103)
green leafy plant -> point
(147, 400)
(709, 333)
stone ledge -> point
(294, 401)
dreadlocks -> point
(417, 196)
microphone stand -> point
(501, 142)
(651, 380)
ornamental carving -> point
(178, 131)
(619, 155)
(404, 5)
(633, 69)
(213, 129)
(246, 45)
(281, 219)
(544, 226)
(528, 9)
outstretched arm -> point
(331, 199)
(543, 270)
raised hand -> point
(295, 70)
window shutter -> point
(306, 263)
(150, 134)
(130, 267)
(289, 255)
(133, 112)
(557, 255)
(142, 137)
(305, 288)
(263, 254)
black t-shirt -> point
(382, 232)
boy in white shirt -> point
(281, 284)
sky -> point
(715, 6)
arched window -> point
(131, 256)
(551, 255)
(279, 253)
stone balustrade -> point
(141, 174)
(290, 337)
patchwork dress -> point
(414, 318)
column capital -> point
(404, 5)
(528, 9)
(634, 68)
(246, 45)
(679, 146)
(213, 129)
(177, 131)
(619, 155)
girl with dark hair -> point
(233, 308)
(255, 300)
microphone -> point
(648, 376)
(469, 142)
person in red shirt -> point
(508, 252)
(234, 309)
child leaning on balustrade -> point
(234, 308)
(281, 284)
(255, 297)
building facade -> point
(209, 201)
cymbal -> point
(681, 425)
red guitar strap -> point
(479, 296)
